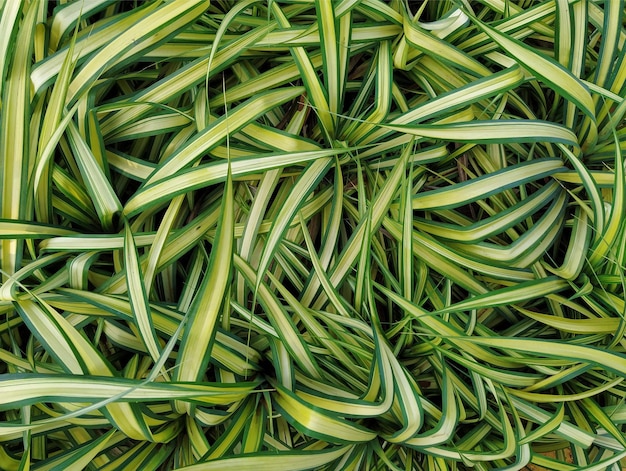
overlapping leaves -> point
(312, 235)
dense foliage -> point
(288, 235)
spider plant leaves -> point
(167, 19)
(614, 227)
(81, 456)
(29, 389)
(138, 296)
(103, 196)
(353, 248)
(436, 435)
(331, 46)
(313, 174)
(14, 139)
(529, 247)
(216, 172)
(312, 235)
(481, 88)
(211, 136)
(193, 73)
(289, 461)
(356, 131)
(52, 128)
(205, 308)
(513, 294)
(430, 44)
(491, 225)
(15, 229)
(282, 323)
(226, 22)
(8, 22)
(321, 425)
(315, 91)
(493, 131)
(612, 361)
(77, 356)
(546, 68)
(45, 71)
(484, 186)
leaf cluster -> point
(312, 234)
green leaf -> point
(205, 308)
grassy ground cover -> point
(312, 234)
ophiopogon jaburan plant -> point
(289, 235)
